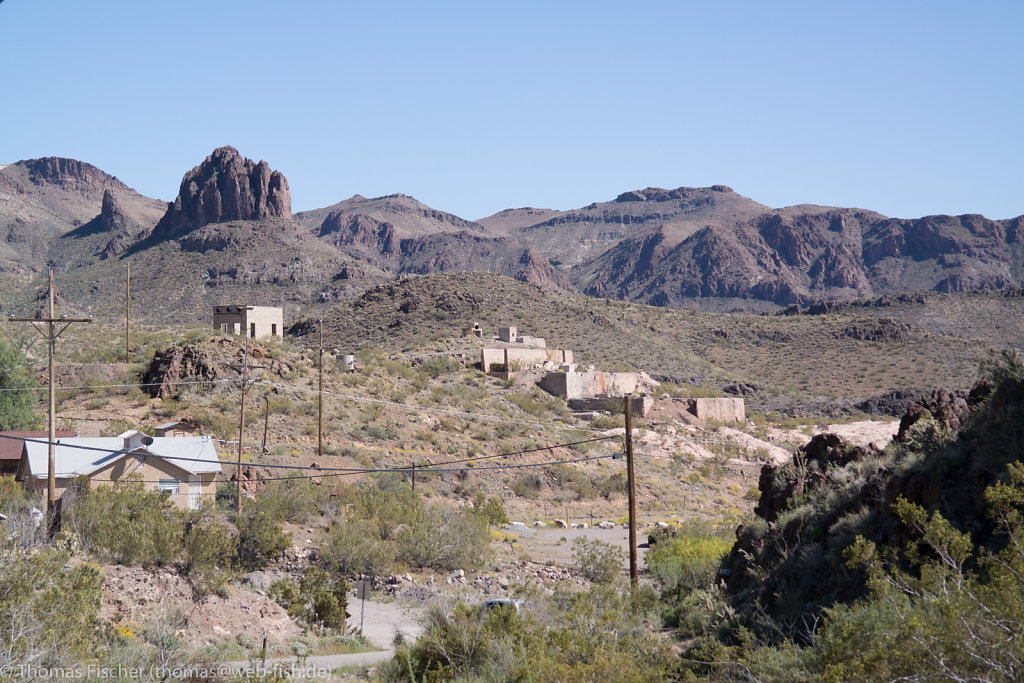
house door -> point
(195, 492)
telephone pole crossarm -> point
(51, 334)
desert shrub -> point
(1002, 365)
(13, 496)
(260, 536)
(119, 425)
(217, 423)
(593, 636)
(294, 500)
(385, 525)
(435, 367)
(48, 613)
(528, 486)
(444, 537)
(608, 421)
(572, 478)
(17, 403)
(684, 563)
(538, 404)
(319, 598)
(597, 561)
(208, 552)
(490, 510)
(351, 547)
(127, 523)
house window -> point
(75, 486)
(273, 329)
(252, 330)
(169, 486)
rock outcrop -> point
(113, 220)
(68, 173)
(947, 408)
(225, 187)
(537, 270)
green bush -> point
(490, 510)
(260, 536)
(48, 613)
(386, 526)
(593, 636)
(435, 367)
(528, 486)
(320, 599)
(597, 561)
(127, 523)
(17, 402)
(444, 537)
(684, 563)
(294, 500)
(208, 552)
(350, 546)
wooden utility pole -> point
(127, 312)
(320, 394)
(266, 419)
(51, 335)
(634, 576)
(320, 385)
(241, 417)
(241, 421)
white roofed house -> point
(185, 468)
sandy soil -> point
(546, 544)
(382, 620)
(867, 432)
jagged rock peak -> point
(111, 216)
(226, 187)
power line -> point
(348, 470)
(124, 386)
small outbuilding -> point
(251, 321)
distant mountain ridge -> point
(678, 248)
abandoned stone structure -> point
(510, 335)
(720, 409)
(252, 321)
(474, 331)
(590, 384)
(513, 351)
(510, 357)
(641, 405)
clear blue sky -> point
(908, 108)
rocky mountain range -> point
(231, 226)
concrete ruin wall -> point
(720, 409)
(526, 357)
(510, 335)
(590, 384)
(252, 321)
(640, 405)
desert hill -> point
(48, 205)
(789, 363)
(508, 221)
